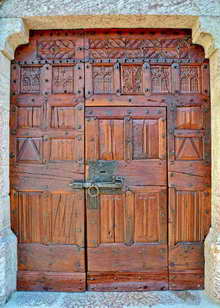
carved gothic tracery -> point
(132, 79)
(160, 79)
(103, 79)
(189, 81)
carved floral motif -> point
(56, 49)
(133, 48)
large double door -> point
(110, 160)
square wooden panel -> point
(189, 118)
(29, 117)
(131, 79)
(190, 79)
(45, 217)
(160, 79)
(61, 149)
(137, 216)
(189, 148)
(62, 117)
(103, 79)
(63, 79)
(30, 80)
(29, 150)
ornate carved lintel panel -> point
(56, 49)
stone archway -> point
(14, 32)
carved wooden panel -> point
(160, 79)
(189, 148)
(30, 79)
(63, 79)
(132, 79)
(189, 79)
(139, 44)
(29, 150)
(55, 49)
(103, 79)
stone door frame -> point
(15, 31)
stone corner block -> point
(212, 265)
(8, 264)
(13, 32)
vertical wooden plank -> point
(107, 218)
(79, 79)
(163, 215)
(128, 138)
(88, 80)
(171, 217)
(46, 79)
(117, 79)
(92, 138)
(129, 218)
(175, 77)
(14, 198)
(146, 79)
(93, 226)
(79, 204)
(205, 79)
(171, 121)
(105, 139)
(119, 203)
(162, 138)
(15, 79)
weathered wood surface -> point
(138, 98)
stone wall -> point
(18, 8)
(17, 17)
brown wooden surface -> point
(47, 142)
(145, 94)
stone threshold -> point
(155, 299)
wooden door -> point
(143, 97)
(127, 231)
(47, 152)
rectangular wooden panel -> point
(51, 258)
(44, 217)
(123, 226)
(122, 281)
(51, 281)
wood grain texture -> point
(136, 98)
(50, 281)
(126, 281)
